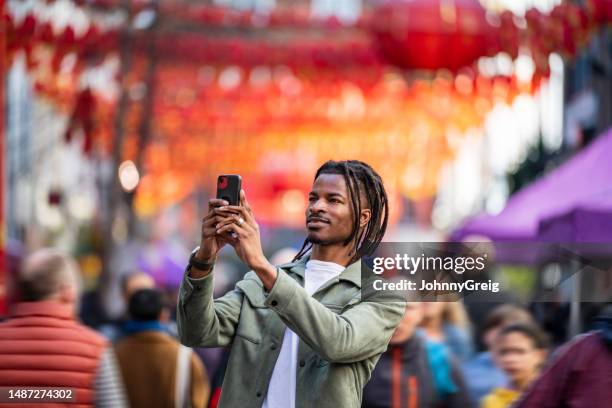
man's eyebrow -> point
(331, 194)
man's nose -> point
(317, 206)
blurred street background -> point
(487, 120)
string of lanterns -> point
(227, 103)
(420, 34)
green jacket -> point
(342, 330)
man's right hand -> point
(210, 242)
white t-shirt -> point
(281, 391)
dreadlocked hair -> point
(361, 179)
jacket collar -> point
(135, 326)
(351, 273)
(43, 308)
(150, 336)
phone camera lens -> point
(223, 182)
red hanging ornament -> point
(27, 28)
(54, 198)
(433, 34)
(566, 17)
(11, 35)
(91, 36)
(67, 40)
(601, 10)
(543, 37)
(83, 117)
(509, 34)
(45, 34)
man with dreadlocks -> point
(303, 334)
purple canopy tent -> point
(587, 174)
(587, 229)
(570, 204)
(589, 221)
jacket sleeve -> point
(200, 385)
(548, 390)
(108, 384)
(360, 332)
(461, 398)
(203, 322)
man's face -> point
(329, 217)
(431, 310)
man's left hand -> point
(246, 240)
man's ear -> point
(543, 355)
(164, 316)
(67, 294)
(364, 217)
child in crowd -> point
(520, 350)
(481, 373)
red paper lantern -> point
(602, 10)
(433, 34)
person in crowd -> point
(158, 371)
(130, 282)
(133, 282)
(216, 383)
(481, 373)
(415, 373)
(42, 344)
(478, 305)
(447, 323)
(303, 333)
(520, 350)
(580, 375)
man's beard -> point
(325, 242)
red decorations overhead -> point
(416, 34)
(31, 32)
(265, 87)
(408, 131)
(83, 117)
(564, 30)
(303, 54)
(509, 35)
(199, 48)
(433, 34)
(601, 9)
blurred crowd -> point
(443, 354)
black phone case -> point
(228, 188)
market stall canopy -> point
(563, 191)
(589, 221)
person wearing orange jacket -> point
(42, 344)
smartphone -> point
(228, 188)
